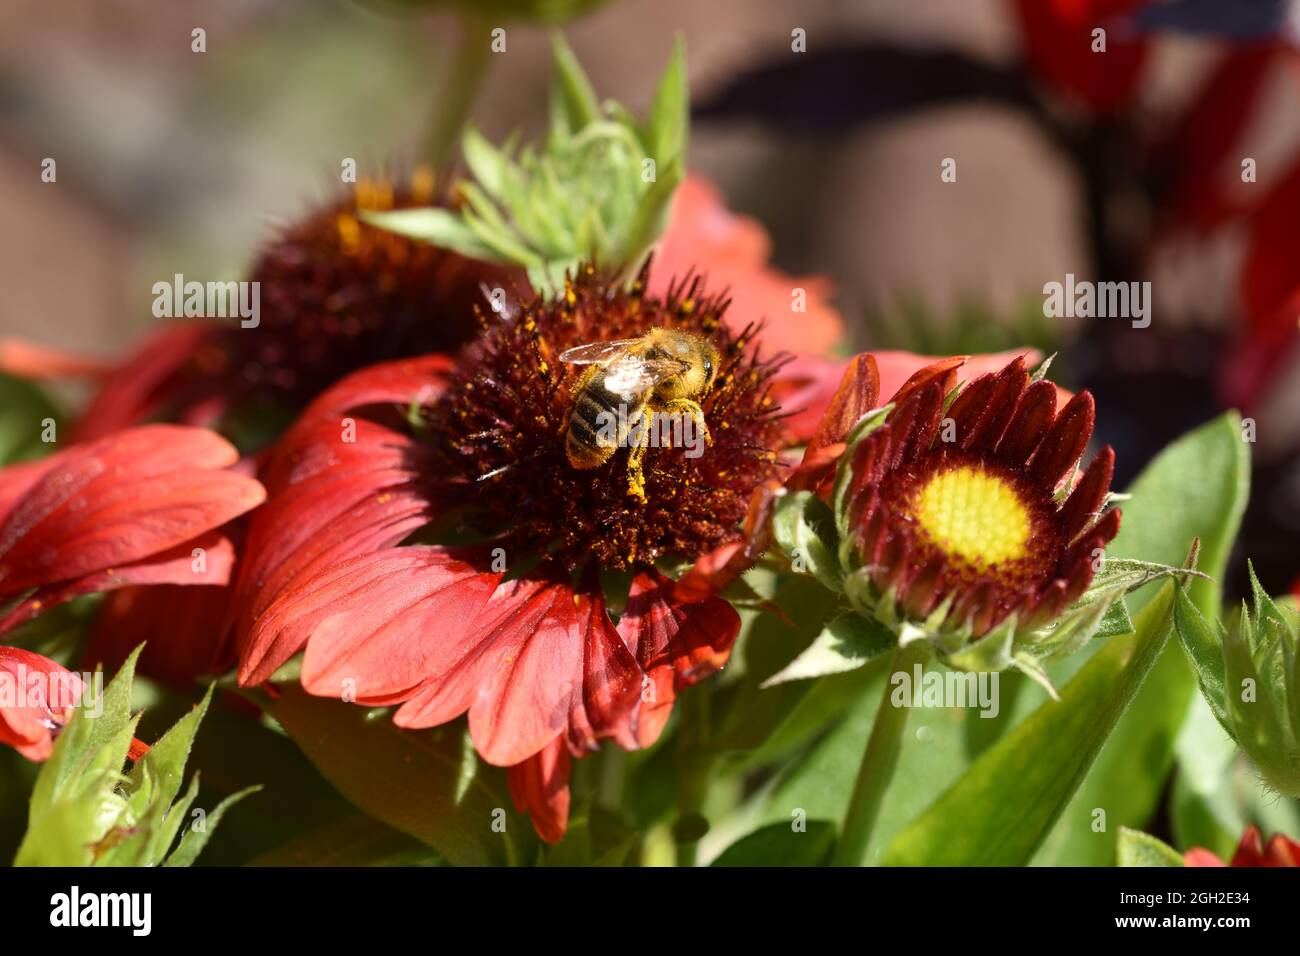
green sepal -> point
(1204, 650)
(804, 527)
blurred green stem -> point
(878, 763)
(459, 88)
(694, 766)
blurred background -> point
(1117, 165)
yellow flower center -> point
(974, 515)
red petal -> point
(118, 501)
(38, 708)
(144, 381)
(330, 501)
(1089, 494)
(858, 393)
(1064, 442)
(177, 565)
(398, 383)
(1035, 415)
(677, 644)
(714, 571)
(29, 360)
(539, 786)
(381, 620)
(1282, 851)
(1250, 851)
(517, 669)
(611, 678)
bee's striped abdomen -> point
(594, 433)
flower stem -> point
(878, 763)
(460, 88)
(694, 767)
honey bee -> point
(665, 370)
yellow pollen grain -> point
(974, 515)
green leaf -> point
(485, 161)
(572, 96)
(1141, 849)
(85, 739)
(1209, 806)
(1207, 472)
(763, 725)
(1004, 806)
(352, 840)
(435, 226)
(669, 119)
(194, 840)
(780, 844)
(24, 411)
(847, 643)
(427, 783)
(86, 811)
(157, 775)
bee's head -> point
(710, 366)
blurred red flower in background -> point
(733, 252)
(1059, 47)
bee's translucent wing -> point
(632, 374)
(596, 353)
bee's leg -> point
(635, 454)
(686, 406)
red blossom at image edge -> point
(30, 725)
(1281, 851)
(143, 506)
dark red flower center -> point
(500, 433)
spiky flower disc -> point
(338, 294)
(500, 429)
(958, 516)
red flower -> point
(533, 658)
(1281, 851)
(139, 507)
(36, 700)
